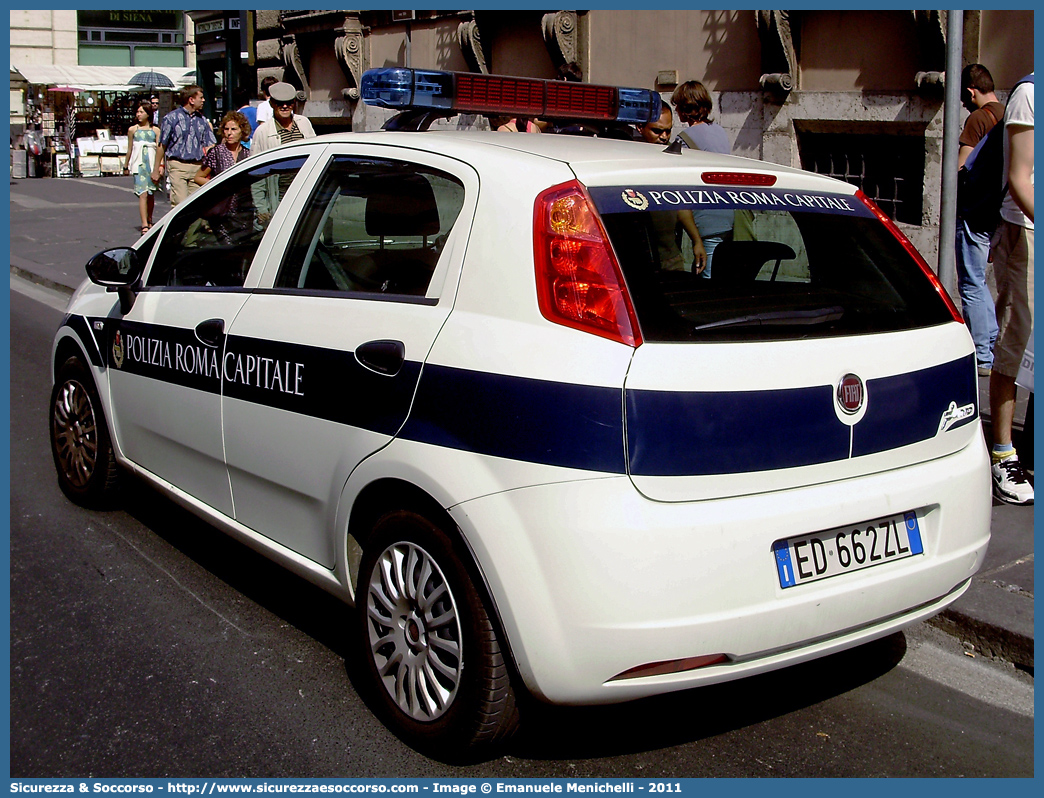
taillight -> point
(579, 282)
(912, 250)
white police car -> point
(444, 376)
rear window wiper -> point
(778, 318)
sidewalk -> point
(58, 224)
(996, 614)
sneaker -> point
(1009, 482)
(985, 371)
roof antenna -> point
(675, 147)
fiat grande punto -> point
(450, 378)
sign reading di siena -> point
(619, 199)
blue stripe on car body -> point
(538, 421)
(81, 329)
(676, 433)
(668, 433)
(906, 408)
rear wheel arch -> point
(389, 495)
(384, 496)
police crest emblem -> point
(634, 199)
(117, 350)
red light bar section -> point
(493, 94)
(738, 179)
(580, 99)
(544, 98)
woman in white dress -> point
(141, 155)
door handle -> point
(383, 357)
(210, 332)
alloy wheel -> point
(414, 631)
(75, 433)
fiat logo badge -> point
(850, 394)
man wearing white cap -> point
(284, 126)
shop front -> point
(73, 120)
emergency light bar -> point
(467, 92)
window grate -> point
(889, 169)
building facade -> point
(124, 37)
(855, 94)
(44, 37)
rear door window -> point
(373, 227)
(796, 264)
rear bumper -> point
(590, 579)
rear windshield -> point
(783, 265)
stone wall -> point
(44, 37)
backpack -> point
(981, 183)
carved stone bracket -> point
(930, 82)
(778, 54)
(349, 52)
(779, 82)
(561, 30)
(292, 59)
(471, 46)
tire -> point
(80, 442)
(433, 659)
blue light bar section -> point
(639, 106)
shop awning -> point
(92, 87)
(97, 78)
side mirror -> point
(118, 270)
(115, 268)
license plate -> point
(821, 555)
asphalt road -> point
(57, 225)
(145, 643)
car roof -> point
(602, 160)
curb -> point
(987, 638)
(32, 277)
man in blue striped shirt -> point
(185, 136)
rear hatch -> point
(821, 348)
